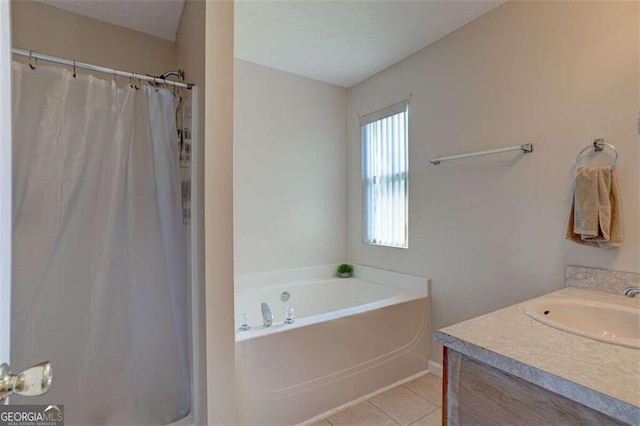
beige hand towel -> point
(596, 217)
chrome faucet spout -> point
(267, 315)
(631, 291)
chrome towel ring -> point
(598, 146)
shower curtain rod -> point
(84, 66)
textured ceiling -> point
(341, 42)
(344, 42)
(158, 18)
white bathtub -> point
(351, 337)
(314, 302)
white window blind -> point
(385, 174)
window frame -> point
(365, 120)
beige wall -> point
(219, 212)
(190, 53)
(204, 49)
(56, 32)
(489, 231)
(190, 57)
(290, 162)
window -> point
(385, 175)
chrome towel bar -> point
(524, 148)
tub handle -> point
(289, 313)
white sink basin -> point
(606, 322)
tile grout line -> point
(367, 397)
(383, 412)
(418, 420)
(437, 407)
(426, 415)
(425, 399)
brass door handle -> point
(33, 381)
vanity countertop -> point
(600, 375)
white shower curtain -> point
(99, 266)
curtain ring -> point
(31, 58)
(75, 73)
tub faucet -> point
(631, 291)
(267, 315)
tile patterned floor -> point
(416, 403)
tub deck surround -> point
(262, 280)
(404, 282)
(602, 376)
